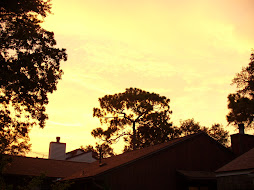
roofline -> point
(32, 175)
(74, 150)
(233, 172)
(221, 145)
(237, 134)
(75, 156)
(42, 158)
(151, 153)
(193, 178)
(181, 140)
(184, 139)
(82, 154)
(142, 157)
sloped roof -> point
(77, 170)
(197, 174)
(73, 154)
(243, 162)
(94, 168)
(36, 166)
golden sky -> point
(186, 50)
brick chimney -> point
(57, 150)
(241, 142)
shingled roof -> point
(73, 154)
(113, 162)
(28, 166)
(243, 162)
(69, 170)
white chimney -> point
(57, 150)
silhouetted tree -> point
(241, 103)
(103, 150)
(217, 131)
(189, 126)
(135, 114)
(155, 131)
(29, 70)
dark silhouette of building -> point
(239, 173)
(187, 163)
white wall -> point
(57, 151)
(87, 157)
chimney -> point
(57, 150)
(241, 128)
(241, 142)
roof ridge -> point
(179, 139)
(46, 159)
(85, 152)
(134, 156)
(29, 166)
(242, 162)
(74, 150)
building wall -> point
(242, 143)
(87, 157)
(74, 153)
(159, 171)
(236, 182)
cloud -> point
(63, 124)
(186, 50)
(160, 25)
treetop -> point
(22, 7)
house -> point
(186, 163)
(79, 155)
(239, 173)
(57, 151)
(22, 169)
(241, 142)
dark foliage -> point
(29, 70)
(102, 150)
(216, 131)
(143, 118)
(241, 103)
(189, 126)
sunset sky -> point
(186, 50)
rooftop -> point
(113, 162)
(243, 162)
(37, 166)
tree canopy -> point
(216, 131)
(103, 150)
(189, 126)
(241, 103)
(30, 69)
(142, 117)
